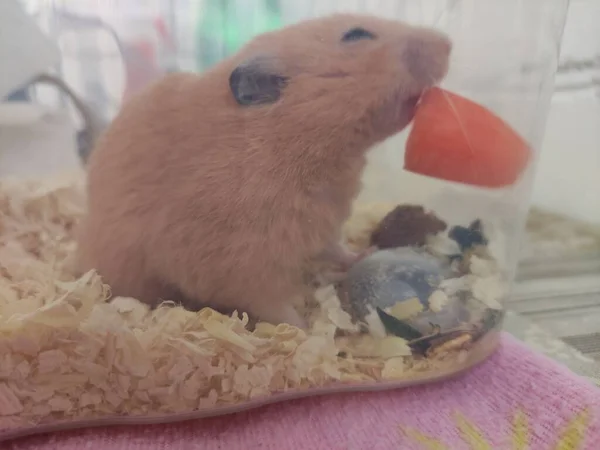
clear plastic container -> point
(338, 207)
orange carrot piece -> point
(455, 139)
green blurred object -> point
(223, 26)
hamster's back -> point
(181, 193)
(137, 179)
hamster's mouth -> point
(410, 106)
(397, 114)
(412, 102)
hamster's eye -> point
(356, 34)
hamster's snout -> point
(427, 56)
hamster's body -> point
(221, 188)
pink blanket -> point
(517, 400)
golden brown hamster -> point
(220, 188)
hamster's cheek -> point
(397, 112)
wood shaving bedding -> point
(66, 353)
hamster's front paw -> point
(339, 255)
(365, 253)
(346, 261)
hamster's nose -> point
(445, 45)
(427, 56)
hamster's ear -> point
(254, 83)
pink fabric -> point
(514, 379)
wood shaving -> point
(67, 353)
(489, 290)
(437, 300)
(406, 309)
(440, 244)
(451, 346)
(365, 218)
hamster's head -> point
(351, 75)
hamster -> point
(220, 188)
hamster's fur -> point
(220, 188)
